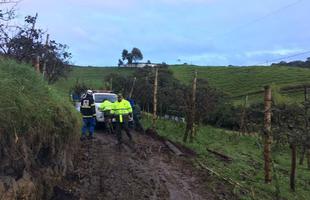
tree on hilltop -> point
(120, 62)
(134, 55)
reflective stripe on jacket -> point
(87, 108)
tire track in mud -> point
(144, 169)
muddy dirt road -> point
(143, 169)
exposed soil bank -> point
(30, 169)
(39, 130)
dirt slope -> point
(145, 169)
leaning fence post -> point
(132, 87)
(193, 111)
(308, 158)
(155, 100)
(111, 84)
(37, 64)
(46, 49)
(293, 167)
(267, 134)
(306, 106)
(243, 115)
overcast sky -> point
(202, 32)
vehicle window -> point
(101, 97)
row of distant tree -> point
(297, 63)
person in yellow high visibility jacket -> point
(106, 107)
(121, 110)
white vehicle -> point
(99, 97)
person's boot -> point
(91, 137)
(83, 137)
(131, 140)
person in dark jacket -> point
(137, 117)
(132, 103)
(88, 111)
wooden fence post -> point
(34, 24)
(267, 134)
(37, 64)
(243, 114)
(132, 87)
(302, 155)
(148, 111)
(44, 65)
(193, 111)
(293, 166)
(155, 99)
(190, 113)
(304, 148)
(111, 84)
(308, 158)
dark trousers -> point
(88, 125)
(138, 125)
(119, 126)
(108, 123)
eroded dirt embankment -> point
(39, 129)
(145, 169)
(31, 167)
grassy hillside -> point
(247, 163)
(28, 103)
(38, 126)
(241, 80)
(234, 81)
(92, 76)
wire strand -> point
(286, 57)
(263, 17)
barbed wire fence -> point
(274, 122)
(285, 123)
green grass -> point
(247, 165)
(234, 81)
(30, 107)
(93, 77)
(237, 81)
